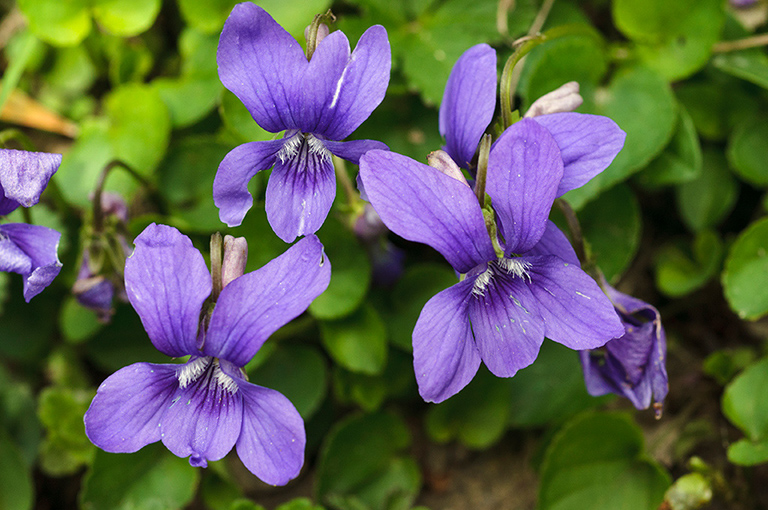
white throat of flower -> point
(206, 366)
(303, 144)
(511, 266)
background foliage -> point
(679, 220)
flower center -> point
(303, 145)
(502, 266)
(207, 370)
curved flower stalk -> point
(29, 250)
(520, 278)
(316, 103)
(204, 407)
(633, 365)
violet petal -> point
(40, 244)
(353, 150)
(554, 242)
(24, 175)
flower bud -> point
(322, 32)
(368, 226)
(440, 160)
(564, 99)
(235, 257)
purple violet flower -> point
(316, 103)
(203, 408)
(633, 365)
(29, 250)
(520, 278)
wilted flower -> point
(315, 102)
(633, 365)
(29, 250)
(204, 407)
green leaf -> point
(125, 18)
(597, 461)
(15, 477)
(351, 275)
(750, 65)
(149, 478)
(745, 278)
(678, 274)
(357, 342)
(707, 200)
(747, 151)
(550, 390)
(724, 364)
(746, 453)
(690, 491)
(18, 418)
(299, 504)
(477, 416)
(140, 126)
(61, 23)
(611, 225)
(681, 160)
(635, 99)
(744, 404)
(374, 473)
(299, 372)
(66, 448)
(76, 322)
(238, 120)
(652, 20)
(370, 391)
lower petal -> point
(507, 328)
(575, 310)
(445, 357)
(272, 439)
(230, 187)
(301, 190)
(125, 413)
(40, 244)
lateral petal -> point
(24, 175)
(419, 203)
(353, 150)
(40, 245)
(554, 242)
(166, 281)
(445, 357)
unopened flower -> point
(29, 250)
(633, 365)
(565, 98)
(204, 407)
(316, 102)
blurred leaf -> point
(370, 391)
(18, 418)
(25, 337)
(61, 23)
(244, 504)
(724, 364)
(706, 201)
(76, 322)
(65, 369)
(748, 152)
(745, 278)
(129, 61)
(611, 225)
(373, 473)
(351, 274)
(678, 273)
(66, 447)
(19, 52)
(140, 126)
(689, 492)
(149, 478)
(15, 478)
(299, 372)
(681, 160)
(572, 58)
(73, 70)
(744, 405)
(477, 416)
(635, 99)
(125, 18)
(750, 65)
(299, 504)
(418, 285)
(550, 390)
(597, 461)
(239, 121)
(746, 453)
(357, 342)
(653, 20)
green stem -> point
(318, 20)
(482, 168)
(216, 261)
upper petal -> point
(575, 310)
(126, 411)
(508, 329)
(419, 203)
(445, 358)
(255, 305)
(524, 171)
(272, 437)
(24, 175)
(301, 189)
(204, 418)
(468, 102)
(353, 150)
(360, 86)
(588, 144)
(262, 65)
(167, 281)
(230, 186)
(40, 245)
